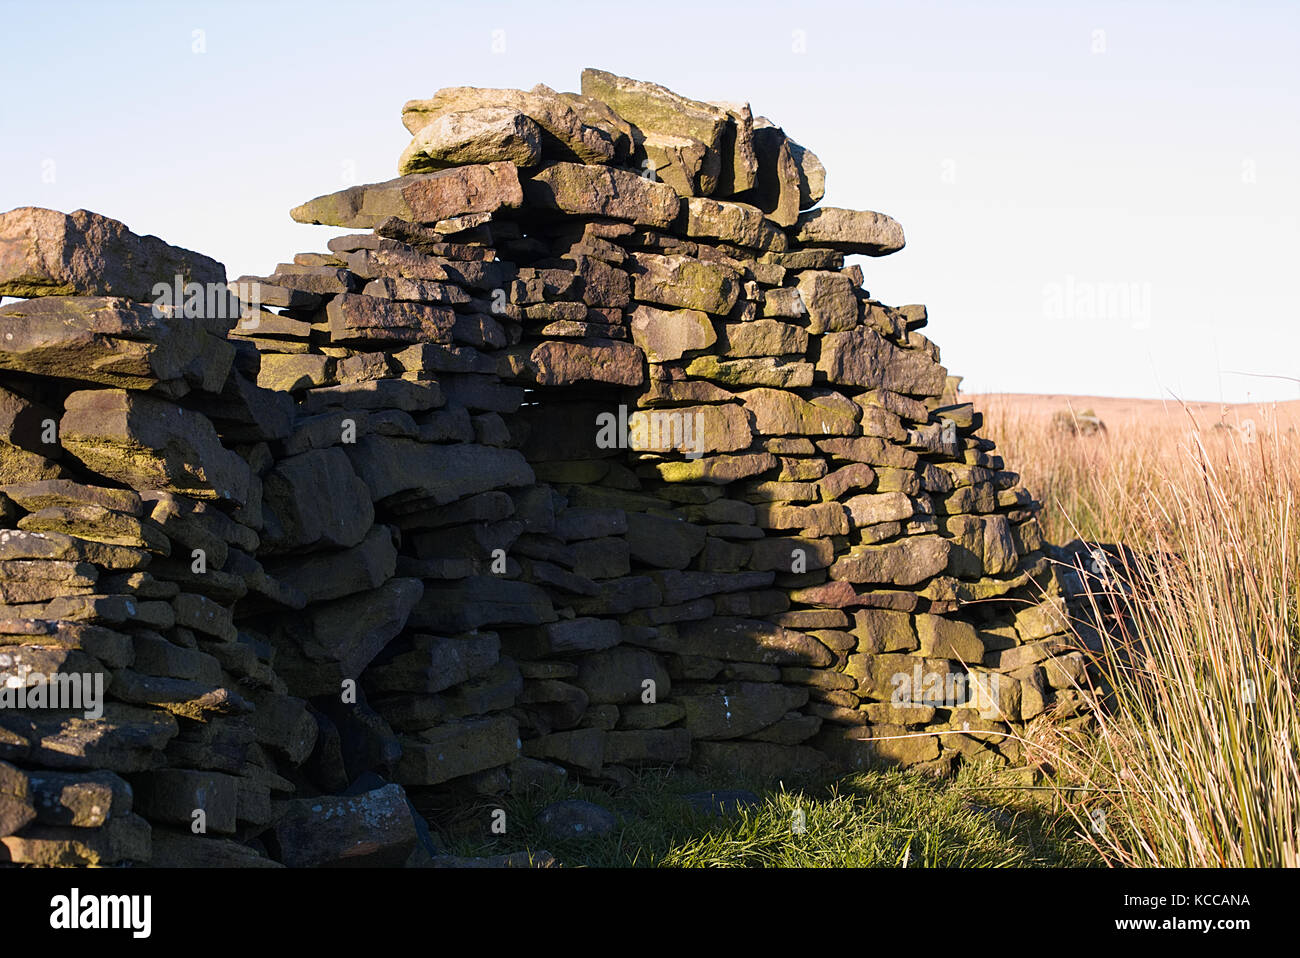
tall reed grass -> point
(1196, 760)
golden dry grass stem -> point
(1195, 761)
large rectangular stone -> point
(48, 253)
(458, 748)
(419, 198)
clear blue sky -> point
(1098, 197)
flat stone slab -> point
(850, 231)
(574, 818)
(48, 253)
(419, 198)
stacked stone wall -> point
(585, 452)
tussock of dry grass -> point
(1196, 761)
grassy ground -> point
(877, 819)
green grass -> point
(876, 819)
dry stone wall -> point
(585, 452)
